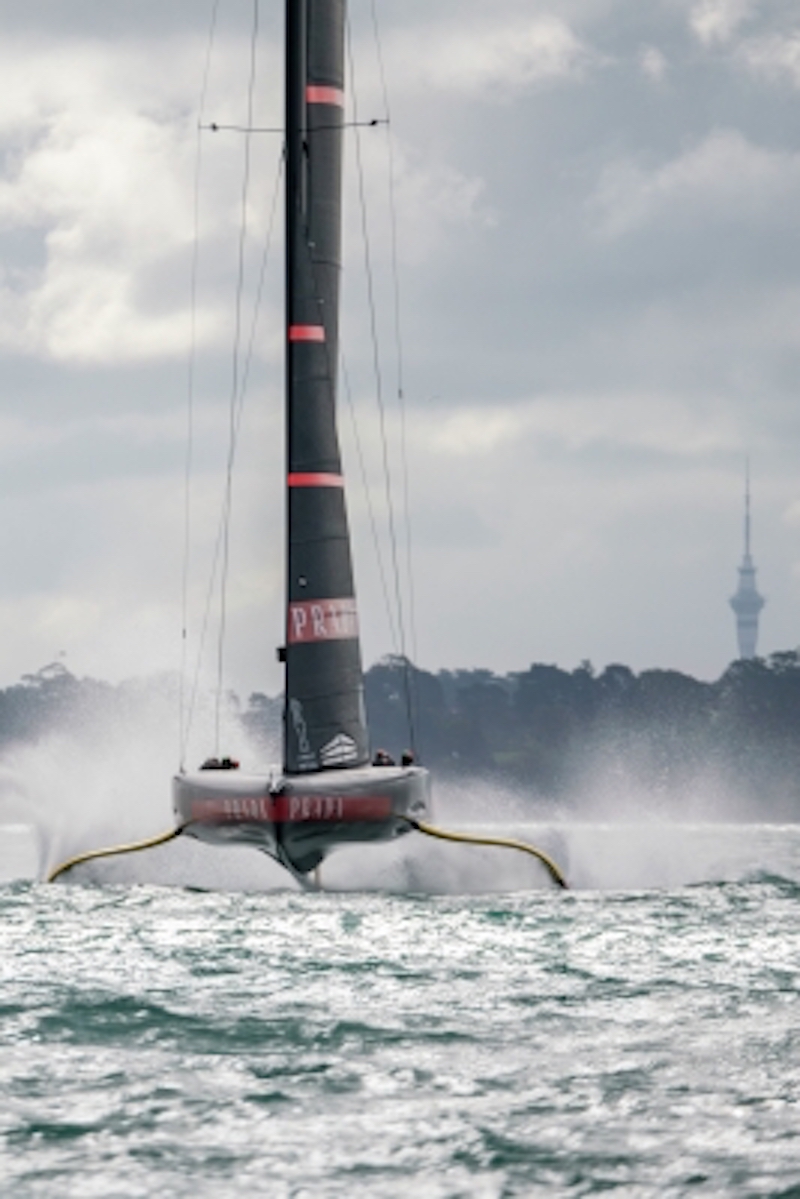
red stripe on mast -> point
(306, 333)
(319, 94)
(314, 479)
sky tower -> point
(747, 603)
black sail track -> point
(324, 721)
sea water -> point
(424, 1026)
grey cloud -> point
(122, 18)
(603, 255)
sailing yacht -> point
(327, 792)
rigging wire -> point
(240, 414)
(401, 402)
(234, 396)
(188, 709)
(217, 127)
(222, 547)
(189, 458)
(373, 523)
(379, 557)
(398, 597)
(332, 376)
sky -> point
(596, 218)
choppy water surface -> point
(157, 1040)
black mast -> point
(324, 721)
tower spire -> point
(747, 507)
(747, 603)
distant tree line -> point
(547, 733)
(556, 734)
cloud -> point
(98, 186)
(474, 431)
(724, 175)
(653, 63)
(496, 58)
(598, 215)
(98, 177)
(433, 203)
(568, 424)
(718, 20)
(775, 58)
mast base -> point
(299, 819)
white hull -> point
(298, 819)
